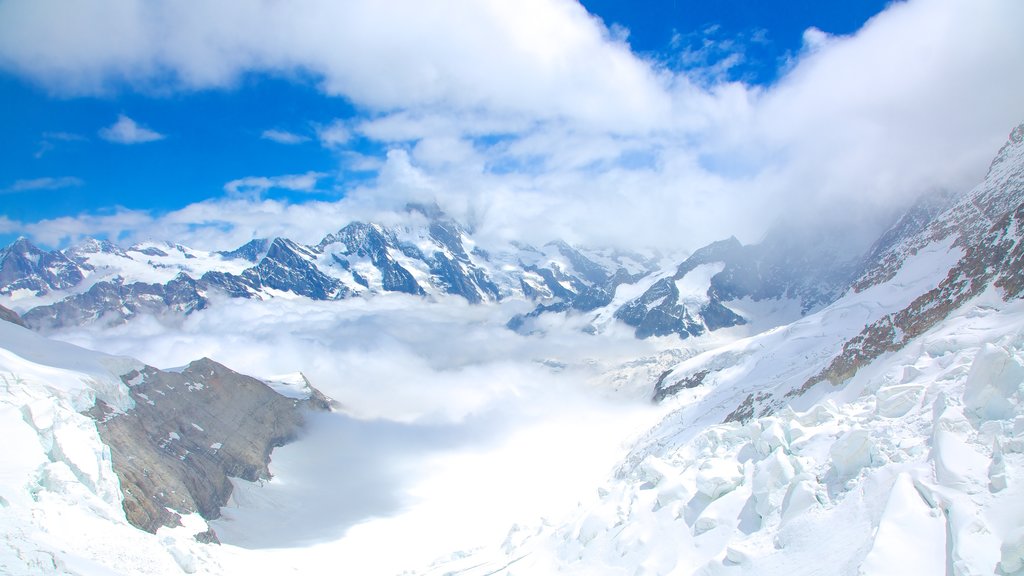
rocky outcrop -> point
(11, 316)
(189, 432)
(988, 225)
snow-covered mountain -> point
(431, 255)
(882, 434)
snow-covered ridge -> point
(430, 256)
(916, 466)
(891, 421)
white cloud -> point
(45, 183)
(539, 58)
(127, 131)
(535, 121)
(57, 232)
(334, 135)
(284, 137)
(256, 185)
(8, 226)
(443, 407)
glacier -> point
(873, 430)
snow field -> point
(916, 467)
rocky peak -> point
(93, 246)
(992, 244)
(290, 267)
(11, 316)
(253, 251)
(23, 266)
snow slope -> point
(881, 435)
(915, 466)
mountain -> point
(430, 255)
(879, 434)
(696, 298)
(188, 432)
(101, 446)
(879, 430)
(8, 315)
(24, 268)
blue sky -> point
(115, 124)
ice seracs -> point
(881, 434)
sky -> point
(680, 121)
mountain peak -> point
(23, 245)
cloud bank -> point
(446, 415)
(535, 120)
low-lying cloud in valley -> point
(445, 413)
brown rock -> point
(188, 433)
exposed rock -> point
(11, 316)
(813, 268)
(993, 256)
(188, 433)
(253, 251)
(289, 267)
(663, 390)
(23, 266)
(114, 301)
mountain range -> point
(882, 407)
(433, 256)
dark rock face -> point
(453, 269)
(23, 266)
(253, 251)
(807, 267)
(663, 389)
(658, 312)
(11, 316)
(372, 241)
(432, 256)
(188, 433)
(113, 302)
(583, 285)
(290, 267)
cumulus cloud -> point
(127, 131)
(284, 137)
(535, 120)
(115, 225)
(44, 183)
(539, 58)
